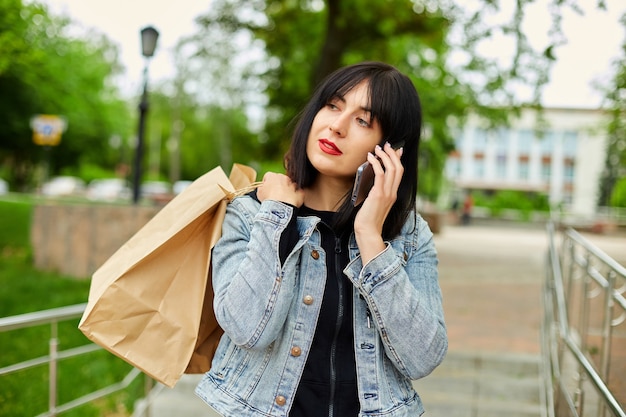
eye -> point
(335, 103)
(362, 122)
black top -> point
(328, 387)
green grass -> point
(24, 289)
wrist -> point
(370, 245)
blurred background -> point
(108, 110)
(225, 78)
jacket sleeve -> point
(405, 302)
(252, 297)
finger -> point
(393, 167)
(389, 161)
(395, 156)
(388, 156)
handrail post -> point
(56, 354)
(147, 387)
(568, 246)
(607, 327)
(583, 322)
(583, 282)
(607, 330)
(52, 377)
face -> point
(342, 134)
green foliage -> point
(24, 289)
(15, 219)
(618, 198)
(304, 41)
(210, 136)
(524, 202)
(612, 178)
(45, 71)
(89, 172)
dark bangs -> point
(394, 104)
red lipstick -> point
(328, 147)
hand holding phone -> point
(364, 179)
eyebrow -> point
(343, 100)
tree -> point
(436, 42)
(199, 131)
(612, 183)
(206, 135)
(45, 71)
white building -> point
(564, 163)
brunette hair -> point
(394, 104)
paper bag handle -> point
(241, 191)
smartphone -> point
(364, 179)
(363, 182)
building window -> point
(501, 166)
(459, 142)
(523, 169)
(570, 140)
(546, 170)
(547, 143)
(568, 173)
(480, 140)
(453, 168)
(502, 141)
(479, 168)
(524, 141)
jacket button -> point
(280, 400)
(308, 300)
(406, 256)
(296, 351)
(315, 254)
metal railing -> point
(53, 317)
(583, 305)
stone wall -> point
(75, 240)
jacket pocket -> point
(240, 370)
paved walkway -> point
(491, 282)
(491, 278)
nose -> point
(338, 126)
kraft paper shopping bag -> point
(150, 303)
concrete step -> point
(465, 385)
(180, 401)
(475, 384)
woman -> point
(331, 309)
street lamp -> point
(149, 36)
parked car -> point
(156, 189)
(179, 186)
(108, 189)
(156, 192)
(4, 187)
(63, 186)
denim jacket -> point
(269, 311)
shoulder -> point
(414, 224)
(416, 229)
(245, 206)
(249, 207)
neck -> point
(326, 194)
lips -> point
(328, 147)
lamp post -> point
(149, 36)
